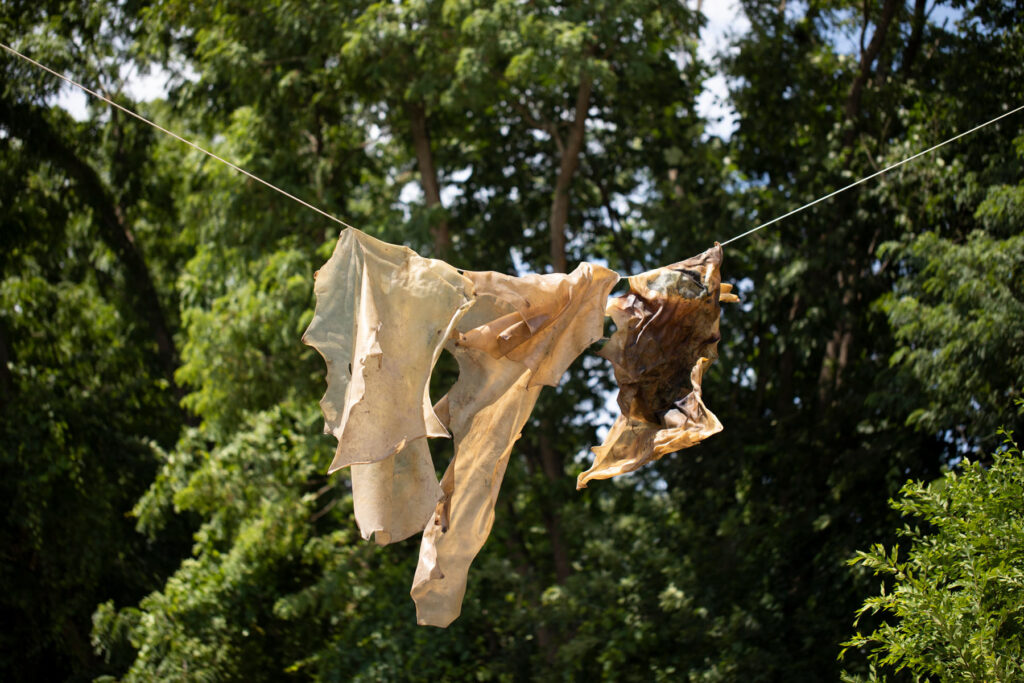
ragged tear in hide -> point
(520, 334)
(667, 335)
(382, 316)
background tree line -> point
(162, 465)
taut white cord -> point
(873, 175)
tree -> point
(87, 352)
(778, 503)
(242, 370)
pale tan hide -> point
(393, 498)
(382, 316)
(667, 335)
(521, 333)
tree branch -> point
(543, 126)
(30, 124)
(428, 173)
(569, 162)
(867, 59)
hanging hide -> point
(666, 337)
(382, 316)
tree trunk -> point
(837, 349)
(787, 365)
(916, 31)
(551, 463)
(569, 162)
(428, 174)
(545, 458)
(519, 553)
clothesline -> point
(341, 222)
(510, 336)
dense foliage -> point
(958, 589)
(166, 511)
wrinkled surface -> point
(544, 332)
(521, 333)
(383, 314)
(490, 404)
(667, 335)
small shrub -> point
(955, 601)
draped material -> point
(383, 314)
(666, 337)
